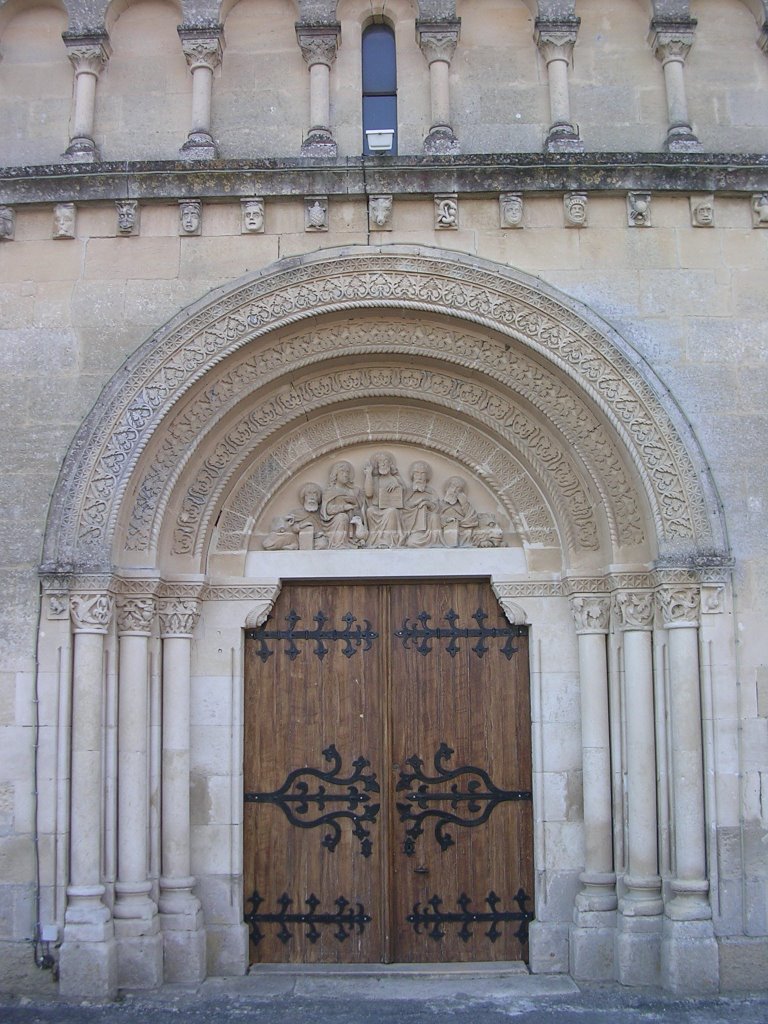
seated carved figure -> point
(385, 497)
(342, 509)
(282, 536)
(459, 516)
(308, 519)
(421, 512)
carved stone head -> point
(190, 216)
(421, 474)
(252, 211)
(7, 223)
(341, 473)
(380, 212)
(511, 210)
(575, 207)
(703, 211)
(311, 496)
(127, 216)
(64, 220)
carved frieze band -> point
(103, 456)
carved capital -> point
(91, 613)
(671, 39)
(679, 606)
(438, 39)
(135, 615)
(178, 616)
(590, 613)
(88, 53)
(202, 47)
(634, 609)
(319, 43)
(556, 38)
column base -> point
(548, 947)
(184, 955)
(563, 138)
(199, 146)
(88, 970)
(689, 958)
(139, 959)
(441, 140)
(638, 949)
(319, 142)
(81, 150)
(592, 946)
(681, 139)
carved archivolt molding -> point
(536, 385)
(99, 466)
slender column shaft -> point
(85, 103)
(175, 785)
(559, 93)
(641, 756)
(677, 103)
(87, 699)
(594, 918)
(202, 86)
(439, 89)
(671, 40)
(319, 96)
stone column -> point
(181, 917)
(689, 957)
(203, 49)
(319, 45)
(555, 40)
(88, 55)
(438, 40)
(638, 937)
(671, 39)
(88, 963)
(593, 932)
(139, 943)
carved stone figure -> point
(342, 508)
(380, 213)
(252, 211)
(488, 533)
(307, 520)
(127, 216)
(511, 210)
(575, 206)
(64, 220)
(190, 216)
(639, 209)
(459, 515)
(703, 211)
(7, 223)
(282, 534)
(446, 212)
(316, 213)
(421, 512)
(385, 500)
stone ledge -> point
(412, 175)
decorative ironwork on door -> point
(347, 918)
(296, 801)
(354, 636)
(478, 798)
(416, 634)
(433, 919)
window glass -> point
(379, 83)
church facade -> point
(385, 488)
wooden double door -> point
(387, 777)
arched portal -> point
(585, 499)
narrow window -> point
(379, 84)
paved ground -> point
(283, 996)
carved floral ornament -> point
(102, 458)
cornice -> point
(592, 173)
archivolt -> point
(605, 375)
